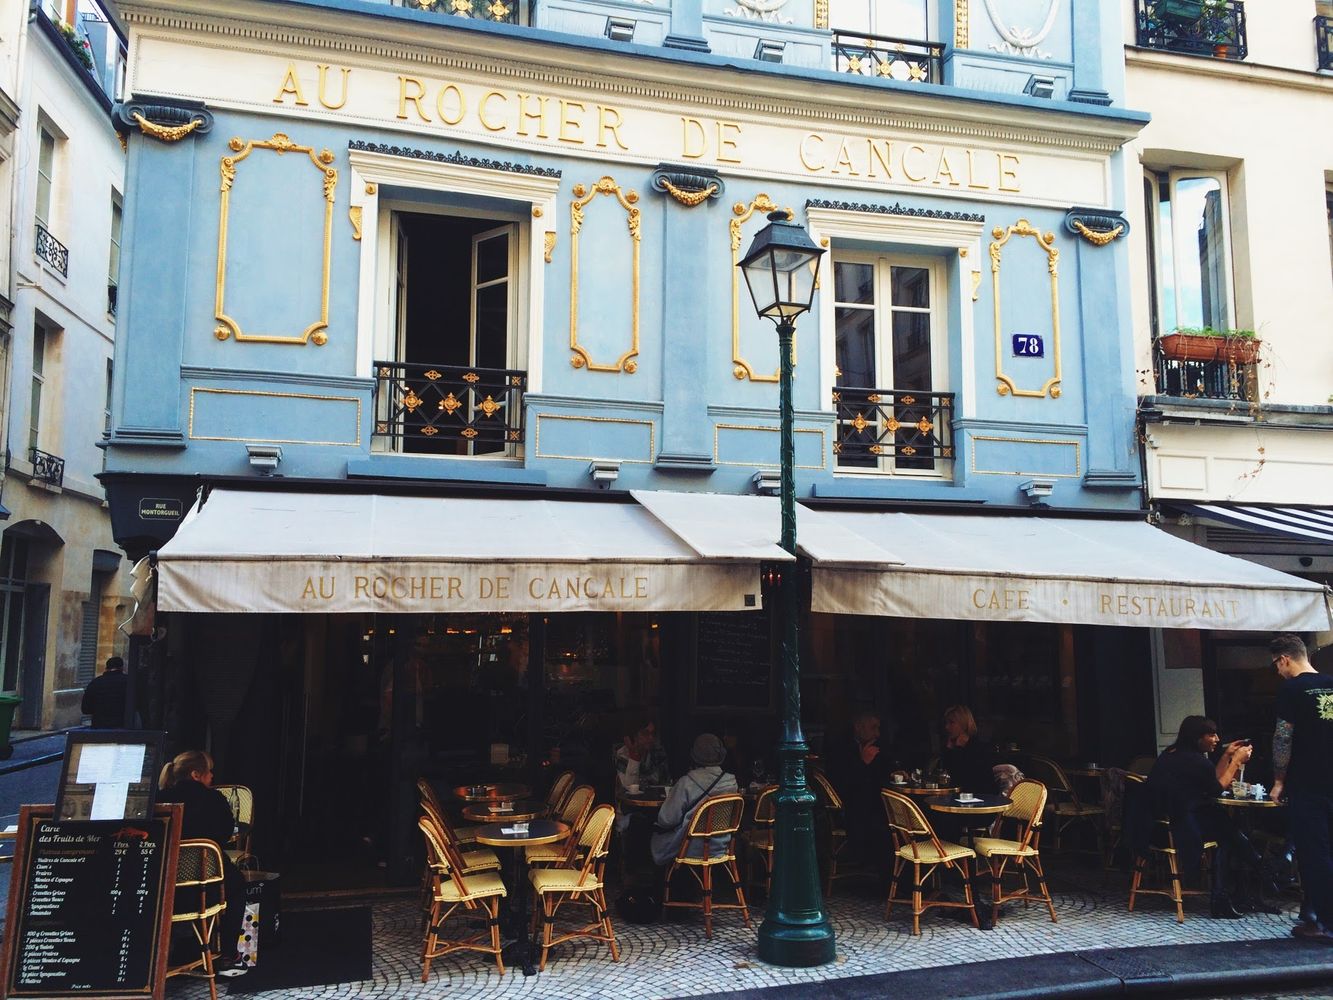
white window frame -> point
(1174, 176)
(931, 17)
(113, 249)
(42, 206)
(37, 394)
(904, 238)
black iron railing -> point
(1204, 379)
(910, 429)
(503, 11)
(905, 59)
(1323, 31)
(51, 250)
(1201, 27)
(480, 410)
(47, 468)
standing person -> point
(858, 768)
(188, 779)
(104, 697)
(1302, 752)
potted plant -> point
(1180, 11)
(1236, 347)
(1218, 24)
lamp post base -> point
(794, 946)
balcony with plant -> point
(1213, 28)
(1203, 363)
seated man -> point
(858, 769)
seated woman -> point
(704, 779)
(1184, 785)
(206, 816)
(969, 761)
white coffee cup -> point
(632, 789)
(966, 797)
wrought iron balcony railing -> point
(1204, 379)
(1323, 30)
(1200, 27)
(51, 250)
(47, 468)
(904, 59)
(503, 11)
(447, 409)
(900, 429)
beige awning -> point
(1048, 569)
(274, 551)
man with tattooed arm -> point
(1302, 753)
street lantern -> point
(780, 271)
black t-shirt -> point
(207, 815)
(1306, 701)
(1182, 780)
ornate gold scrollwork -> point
(689, 198)
(580, 358)
(166, 133)
(1005, 385)
(280, 144)
(549, 246)
(354, 214)
(962, 25)
(1094, 237)
(821, 14)
(742, 214)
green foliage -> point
(76, 44)
(1208, 331)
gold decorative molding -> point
(1095, 238)
(198, 390)
(630, 421)
(1005, 385)
(580, 358)
(549, 245)
(372, 188)
(166, 133)
(280, 144)
(690, 198)
(976, 285)
(354, 214)
(962, 24)
(536, 211)
(821, 14)
(1078, 459)
(741, 214)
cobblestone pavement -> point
(673, 959)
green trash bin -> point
(9, 704)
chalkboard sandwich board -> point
(89, 910)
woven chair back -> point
(825, 792)
(717, 816)
(427, 794)
(577, 805)
(441, 822)
(440, 854)
(1049, 773)
(555, 798)
(905, 818)
(199, 863)
(241, 800)
(766, 807)
(597, 839)
(1027, 803)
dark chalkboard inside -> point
(90, 906)
(733, 663)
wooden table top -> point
(1264, 803)
(540, 831)
(983, 804)
(922, 790)
(486, 812)
(1086, 772)
(492, 792)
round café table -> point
(492, 811)
(922, 791)
(1086, 772)
(982, 805)
(492, 792)
(640, 800)
(540, 831)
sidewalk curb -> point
(23, 765)
(1174, 970)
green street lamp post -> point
(780, 271)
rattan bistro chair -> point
(915, 841)
(242, 803)
(583, 881)
(574, 814)
(560, 789)
(715, 816)
(1025, 812)
(450, 889)
(1163, 853)
(1064, 804)
(759, 840)
(475, 861)
(831, 802)
(200, 900)
(459, 834)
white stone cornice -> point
(375, 41)
(1229, 69)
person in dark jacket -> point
(206, 816)
(969, 761)
(858, 768)
(104, 697)
(1184, 785)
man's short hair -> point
(115, 663)
(1287, 644)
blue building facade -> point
(487, 253)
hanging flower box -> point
(1180, 10)
(1235, 349)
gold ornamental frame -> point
(1004, 384)
(579, 356)
(741, 214)
(280, 144)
